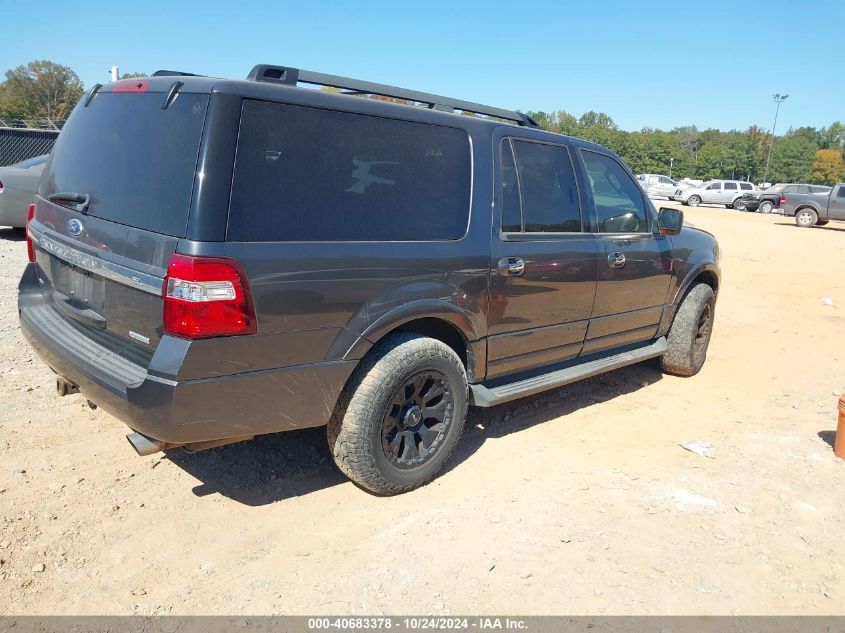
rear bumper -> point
(179, 412)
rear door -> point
(836, 209)
(667, 186)
(544, 258)
(712, 193)
(635, 261)
(112, 204)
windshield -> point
(32, 162)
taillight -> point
(782, 199)
(206, 297)
(30, 247)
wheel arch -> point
(439, 320)
(707, 273)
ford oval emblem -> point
(74, 227)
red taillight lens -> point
(30, 247)
(206, 297)
(782, 199)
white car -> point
(727, 192)
(657, 185)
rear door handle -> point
(511, 266)
(616, 260)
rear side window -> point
(547, 188)
(511, 206)
(136, 160)
(730, 185)
(745, 186)
(306, 174)
(841, 192)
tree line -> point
(804, 154)
(43, 89)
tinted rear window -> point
(310, 174)
(135, 160)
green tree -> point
(828, 167)
(41, 89)
(833, 136)
(792, 159)
(596, 119)
(133, 75)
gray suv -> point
(731, 193)
(235, 258)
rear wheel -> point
(805, 218)
(400, 418)
(694, 201)
(739, 204)
(766, 206)
(689, 336)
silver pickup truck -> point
(815, 210)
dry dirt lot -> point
(578, 501)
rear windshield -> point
(135, 159)
(305, 174)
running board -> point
(488, 397)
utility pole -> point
(671, 160)
(778, 98)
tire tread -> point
(350, 429)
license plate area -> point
(80, 288)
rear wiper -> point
(82, 200)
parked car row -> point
(739, 194)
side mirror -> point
(670, 221)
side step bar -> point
(491, 396)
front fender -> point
(683, 286)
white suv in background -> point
(727, 192)
(657, 185)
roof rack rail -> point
(293, 76)
(172, 73)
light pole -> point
(671, 160)
(779, 98)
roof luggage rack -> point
(293, 76)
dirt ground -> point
(578, 501)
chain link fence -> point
(23, 139)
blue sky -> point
(646, 64)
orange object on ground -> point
(839, 442)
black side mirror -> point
(670, 221)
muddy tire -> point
(401, 415)
(689, 336)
